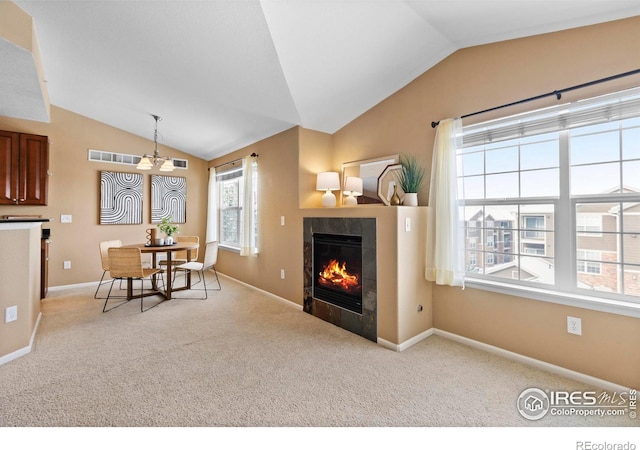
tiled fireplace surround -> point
(364, 324)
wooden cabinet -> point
(24, 162)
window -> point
(556, 192)
(588, 262)
(230, 190)
(588, 223)
(232, 201)
(132, 160)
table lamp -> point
(328, 181)
(352, 188)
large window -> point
(230, 187)
(232, 201)
(552, 198)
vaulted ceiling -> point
(224, 74)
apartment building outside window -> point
(556, 195)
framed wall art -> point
(168, 198)
(120, 198)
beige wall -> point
(280, 246)
(74, 188)
(19, 283)
(482, 77)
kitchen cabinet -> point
(24, 164)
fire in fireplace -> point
(337, 265)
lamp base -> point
(350, 201)
(328, 199)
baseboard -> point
(406, 344)
(25, 350)
(267, 293)
(552, 368)
(73, 286)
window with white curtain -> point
(232, 201)
(562, 186)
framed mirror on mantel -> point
(369, 170)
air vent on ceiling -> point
(131, 160)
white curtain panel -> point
(212, 210)
(247, 236)
(445, 231)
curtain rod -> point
(253, 155)
(558, 93)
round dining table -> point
(168, 249)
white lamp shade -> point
(328, 181)
(167, 166)
(144, 164)
(353, 186)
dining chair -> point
(180, 257)
(104, 259)
(210, 259)
(126, 263)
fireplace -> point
(337, 269)
(352, 244)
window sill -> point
(576, 300)
(229, 249)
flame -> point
(335, 274)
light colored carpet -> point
(244, 359)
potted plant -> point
(410, 179)
(169, 229)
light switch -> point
(282, 220)
(407, 224)
(65, 218)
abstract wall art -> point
(120, 198)
(168, 198)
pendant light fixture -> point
(148, 162)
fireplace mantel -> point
(403, 297)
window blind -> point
(616, 106)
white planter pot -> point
(169, 240)
(410, 199)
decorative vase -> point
(410, 199)
(169, 240)
(395, 198)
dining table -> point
(169, 250)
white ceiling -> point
(224, 74)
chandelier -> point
(148, 162)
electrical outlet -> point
(407, 224)
(67, 265)
(282, 220)
(282, 274)
(66, 218)
(11, 314)
(574, 325)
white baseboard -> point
(22, 351)
(552, 368)
(571, 374)
(406, 344)
(74, 286)
(267, 293)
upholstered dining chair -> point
(104, 259)
(180, 257)
(125, 263)
(210, 259)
